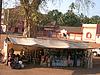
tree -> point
(95, 19)
(44, 20)
(31, 6)
(81, 15)
(70, 19)
(84, 5)
(72, 6)
(54, 16)
(12, 16)
(85, 20)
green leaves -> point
(29, 9)
(95, 19)
(67, 19)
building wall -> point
(72, 36)
(75, 36)
(98, 29)
(89, 32)
(78, 37)
(98, 34)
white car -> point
(96, 51)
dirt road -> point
(5, 70)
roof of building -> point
(72, 29)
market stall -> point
(54, 53)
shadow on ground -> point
(94, 71)
(76, 71)
(73, 71)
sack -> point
(22, 66)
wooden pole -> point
(35, 57)
(0, 17)
(0, 11)
(90, 59)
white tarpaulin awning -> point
(23, 41)
(50, 43)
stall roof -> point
(23, 41)
(51, 43)
(40, 42)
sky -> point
(62, 6)
(96, 9)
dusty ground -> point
(5, 70)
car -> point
(96, 52)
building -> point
(70, 44)
(91, 33)
(73, 33)
(7, 22)
(87, 33)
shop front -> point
(62, 57)
(54, 53)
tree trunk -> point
(29, 8)
(25, 33)
(33, 29)
(29, 28)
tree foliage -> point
(32, 17)
(32, 6)
(12, 16)
(72, 6)
(69, 18)
(95, 19)
(54, 16)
